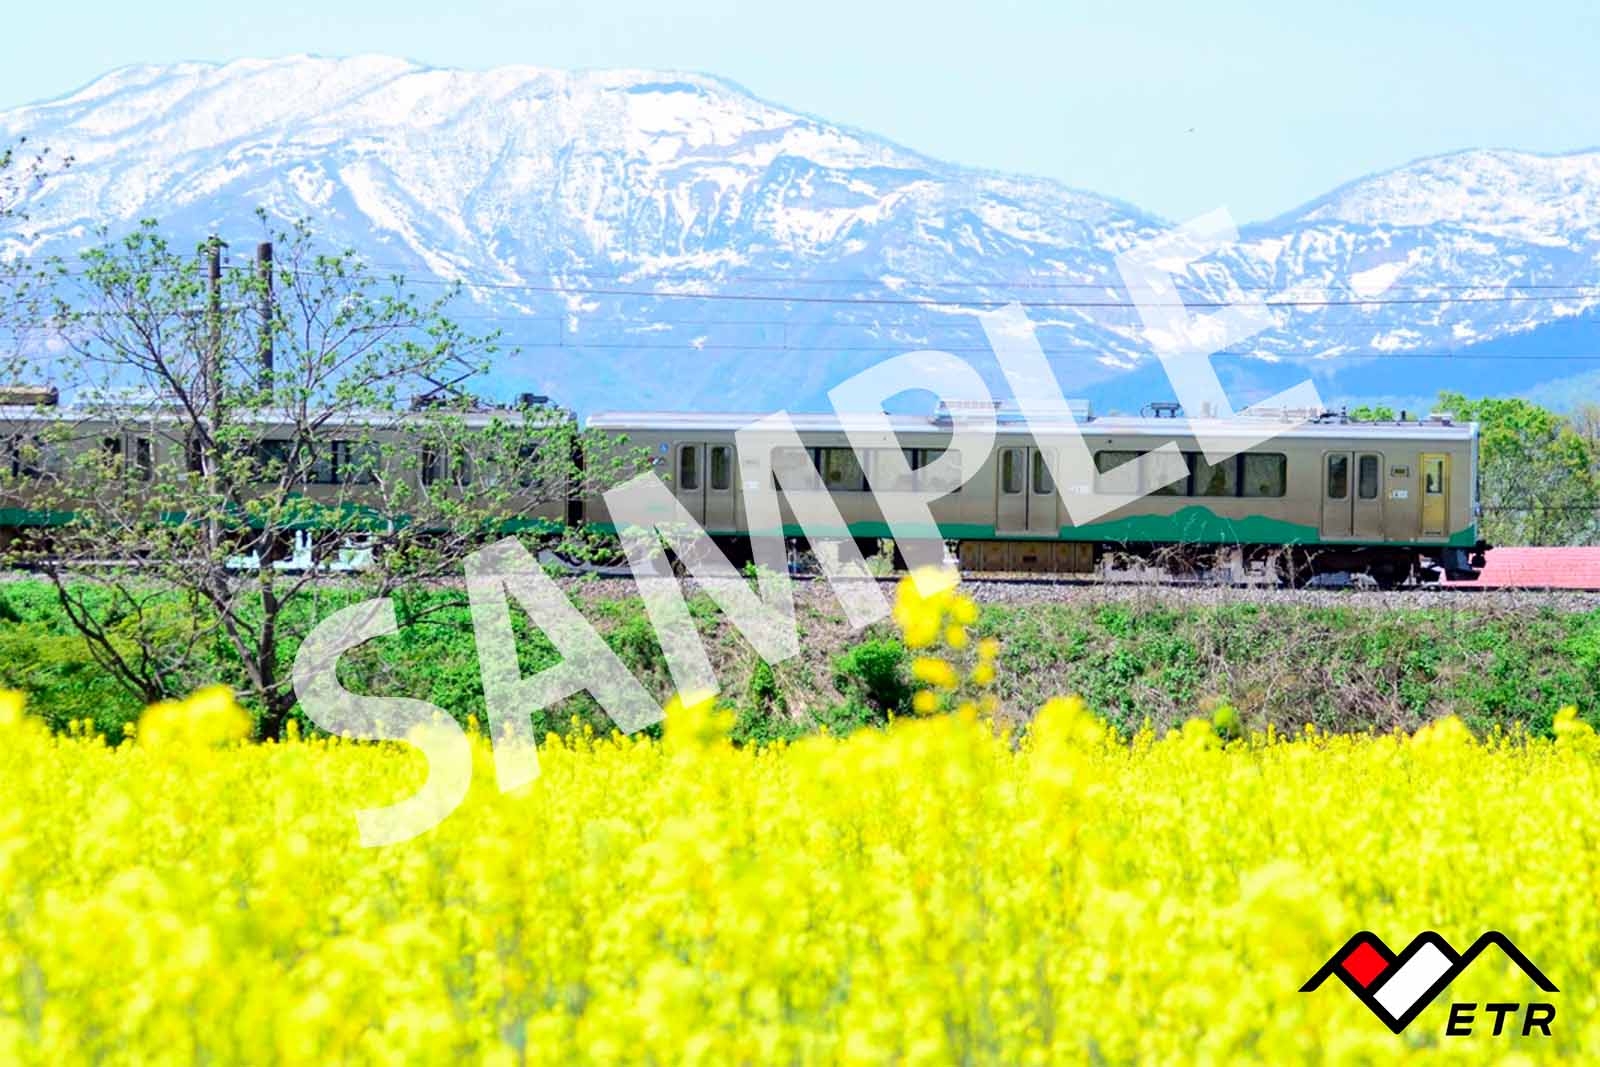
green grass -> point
(1285, 663)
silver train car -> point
(360, 458)
(1395, 500)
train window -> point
(435, 467)
(142, 463)
(344, 462)
(430, 463)
(1367, 477)
(721, 468)
(1433, 477)
(271, 452)
(322, 465)
(1010, 471)
(1121, 482)
(356, 462)
(881, 473)
(916, 459)
(1179, 486)
(1338, 476)
(793, 468)
(688, 467)
(1042, 485)
(935, 480)
(27, 457)
(841, 471)
(1221, 479)
(528, 466)
(1265, 474)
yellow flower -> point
(935, 671)
(988, 648)
(693, 719)
(1443, 733)
(1068, 720)
(1198, 733)
(921, 600)
(208, 716)
(955, 636)
(11, 705)
(900, 895)
(983, 674)
(1572, 731)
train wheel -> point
(1389, 577)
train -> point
(1390, 501)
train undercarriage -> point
(1383, 566)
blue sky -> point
(1176, 107)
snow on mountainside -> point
(1551, 200)
(596, 208)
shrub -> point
(763, 692)
(872, 677)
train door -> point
(1368, 500)
(1435, 494)
(1336, 509)
(719, 474)
(1041, 496)
(689, 479)
(1025, 494)
(1011, 488)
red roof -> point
(1548, 568)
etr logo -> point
(1397, 988)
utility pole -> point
(213, 356)
(210, 439)
(264, 272)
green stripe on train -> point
(1190, 525)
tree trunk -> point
(274, 716)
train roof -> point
(1434, 428)
(371, 417)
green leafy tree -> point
(1539, 476)
(1372, 413)
(1585, 419)
(236, 447)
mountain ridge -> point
(657, 181)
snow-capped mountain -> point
(595, 211)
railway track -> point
(1032, 586)
(1328, 585)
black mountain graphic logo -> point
(1397, 988)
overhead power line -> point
(775, 298)
(1536, 294)
(1029, 282)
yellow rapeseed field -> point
(936, 893)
